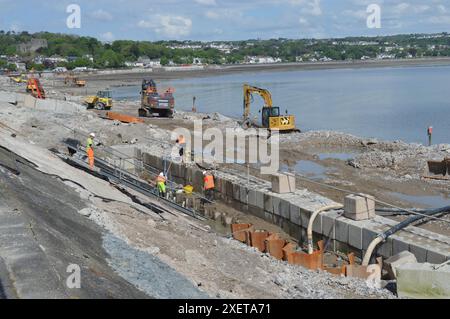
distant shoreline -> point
(134, 77)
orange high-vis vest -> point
(209, 182)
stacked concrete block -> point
(260, 200)
(243, 197)
(294, 216)
(285, 209)
(359, 207)
(276, 202)
(283, 183)
(329, 221)
(236, 192)
(355, 235)
(268, 206)
(251, 197)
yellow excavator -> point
(271, 117)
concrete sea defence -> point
(293, 211)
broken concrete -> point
(391, 264)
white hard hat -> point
(161, 175)
(92, 134)
(205, 172)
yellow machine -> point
(271, 117)
(70, 79)
(101, 101)
(19, 79)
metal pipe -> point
(382, 237)
(311, 223)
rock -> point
(402, 258)
(369, 142)
(86, 212)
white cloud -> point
(410, 8)
(207, 2)
(167, 25)
(310, 7)
(101, 15)
(107, 36)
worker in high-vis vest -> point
(209, 186)
(161, 184)
(90, 150)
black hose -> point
(411, 220)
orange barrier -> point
(123, 118)
(282, 250)
(274, 246)
(239, 231)
(357, 271)
(258, 238)
(311, 261)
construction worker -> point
(209, 186)
(90, 149)
(161, 185)
(181, 142)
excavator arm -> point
(248, 91)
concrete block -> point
(435, 257)
(295, 215)
(317, 226)
(243, 196)
(422, 281)
(283, 183)
(229, 189)
(329, 224)
(276, 203)
(368, 236)
(398, 245)
(390, 264)
(355, 236)
(359, 208)
(268, 207)
(269, 217)
(285, 210)
(295, 231)
(341, 230)
(251, 197)
(236, 192)
(305, 215)
(419, 252)
(260, 201)
(385, 249)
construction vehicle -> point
(271, 116)
(154, 104)
(34, 87)
(101, 101)
(73, 80)
(19, 79)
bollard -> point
(430, 135)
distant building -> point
(32, 46)
(20, 66)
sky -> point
(209, 20)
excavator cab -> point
(271, 116)
(267, 113)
